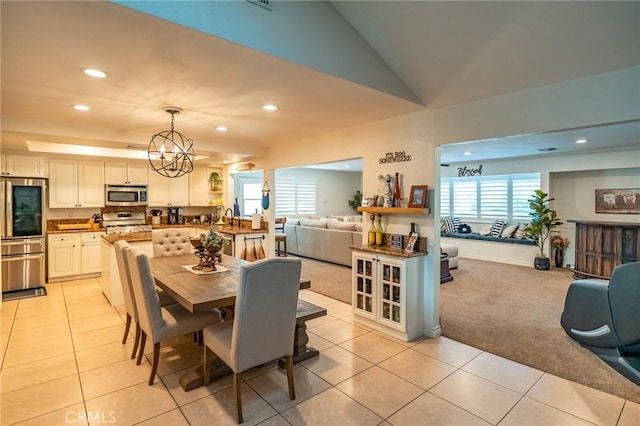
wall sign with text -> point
(395, 157)
(467, 171)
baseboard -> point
(491, 259)
(432, 333)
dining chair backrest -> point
(265, 312)
(170, 242)
(125, 279)
(144, 291)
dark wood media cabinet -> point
(601, 246)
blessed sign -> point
(466, 171)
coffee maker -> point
(175, 215)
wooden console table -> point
(601, 246)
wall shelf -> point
(395, 210)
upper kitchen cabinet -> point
(76, 184)
(200, 186)
(125, 174)
(23, 166)
(164, 191)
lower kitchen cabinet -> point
(110, 279)
(74, 255)
(387, 293)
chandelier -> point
(170, 152)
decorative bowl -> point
(196, 242)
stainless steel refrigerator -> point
(23, 233)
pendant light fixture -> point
(170, 152)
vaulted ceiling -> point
(328, 65)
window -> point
(248, 190)
(488, 197)
(295, 196)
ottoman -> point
(452, 254)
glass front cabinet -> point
(387, 294)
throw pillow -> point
(293, 221)
(496, 228)
(315, 223)
(508, 231)
(449, 226)
(342, 226)
(519, 234)
(486, 230)
(456, 223)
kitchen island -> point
(110, 279)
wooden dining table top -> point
(200, 292)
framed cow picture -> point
(618, 201)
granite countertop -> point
(134, 236)
(387, 250)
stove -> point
(125, 222)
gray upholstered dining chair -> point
(159, 322)
(129, 300)
(170, 242)
(264, 322)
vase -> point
(559, 257)
(542, 263)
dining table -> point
(201, 292)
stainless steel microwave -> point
(126, 195)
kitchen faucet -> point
(229, 210)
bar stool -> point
(281, 239)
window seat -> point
(511, 251)
(477, 236)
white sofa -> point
(325, 239)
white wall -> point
(572, 181)
(333, 190)
(588, 101)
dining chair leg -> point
(207, 366)
(136, 342)
(156, 358)
(126, 329)
(292, 389)
(236, 388)
(143, 340)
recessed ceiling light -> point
(221, 128)
(95, 73)
(467, 153)
(581, 141)
(225, 162)
(80, 107)
(270, 107)
(347, 166)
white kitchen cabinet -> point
(387, 293)
(76, 184)
(74, 254)
(199, 187)
(23, 166)
(126, 173)
(164, 191)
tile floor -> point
(63, 363)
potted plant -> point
(214, 181)
(543, 221)
(355, 201)
(559, 243)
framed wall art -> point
(625, 201)
(418, 196)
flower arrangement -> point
(558, 241)
(212, 239)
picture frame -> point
(624, 201)
(418, 196)
(413, 238)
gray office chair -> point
(159, 322)
(604, 317)
(264, 322)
